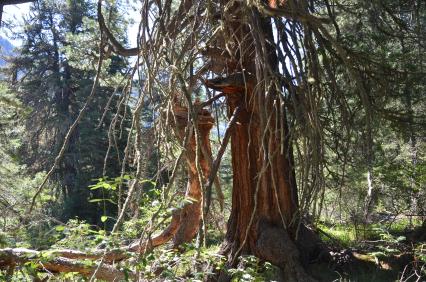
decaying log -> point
(11, 257)
(67, 260)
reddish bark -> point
(264, 218)
(276, 3)
(191, 214)
(253, 169)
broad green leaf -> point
(95, 200)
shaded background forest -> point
(360, 160)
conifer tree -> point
(55, 82)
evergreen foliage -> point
(53, 76)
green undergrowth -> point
(349, 235)
(380, 253)
(360, 271)
(190, 262)
(393, 251)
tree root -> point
(274, 245)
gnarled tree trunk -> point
(191, 214)
(264, 218)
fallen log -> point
(68, 260)
(9, 258)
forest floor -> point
(391, 251)
(379, 252)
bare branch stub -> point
(117, 47)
